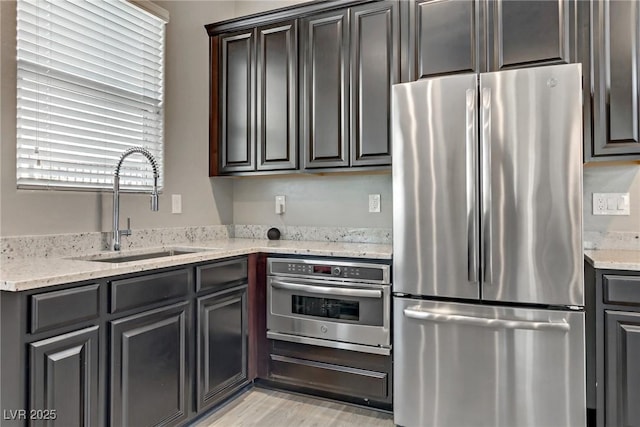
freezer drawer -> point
(472, 365)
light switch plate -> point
(374, 203)
(280, 205)
(176, 203)
(611, 204)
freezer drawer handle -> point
(327, 290)
(416, 313)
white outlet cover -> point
(374, 203)
(176, 203)
(611, 204)
(280, 205)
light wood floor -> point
(264, 408)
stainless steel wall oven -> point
(328, 327)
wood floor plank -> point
(263, 407)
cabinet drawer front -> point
(329, 377)
(221, 274)
(622, 290)
(60, 308)
(140, 291)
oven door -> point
(352, 313)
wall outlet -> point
(280, 205)
(176, 203)
(374, 203)
(611, 204)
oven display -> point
(322, 269)
(328, 308)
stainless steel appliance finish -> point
(513, 366)
(336, 302)
(487, 181)
(531, 201)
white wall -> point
(621, 178)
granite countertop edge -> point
(613, 259)
(35, 273)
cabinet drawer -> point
(622, 290)
(140, 291)
(221, 274)
(329, 377)
(60, 308)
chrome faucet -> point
(116, 194)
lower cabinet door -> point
(149, 381)
(63, 388)
(622, 370)
(222, 345)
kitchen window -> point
(90, 84)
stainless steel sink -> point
(114, 257)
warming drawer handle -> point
(327, 290)
(419, 314)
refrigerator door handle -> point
(470, 136)
(418, 314)
(486, 184)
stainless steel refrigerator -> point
(487, 250)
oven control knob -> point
(336, 271)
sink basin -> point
(113, 257)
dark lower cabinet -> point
(149, 380)
(622, 356)
(63, 387)
(222, 331)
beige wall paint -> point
(204, 201)
(623, 178)
(326, 201)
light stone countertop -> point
(614, 259)
(34, 273)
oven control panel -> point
(352, 271)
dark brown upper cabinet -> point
(375, 67)
(236, 74)
(324, 100)
(461, 36)
(530, 33)
(351, 61)
(443, 37)
(277, 96)
(253, 122)
(615, 55)
(304, 88)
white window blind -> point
(90, 84)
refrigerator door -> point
(482, 366)
(531, 149)
(435, 187)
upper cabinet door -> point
(324, 100)
(277, 102)
(616, 78)
(236, 77)
(444, 37)
(375, 66)
(529, 33)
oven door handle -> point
(327, 290)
